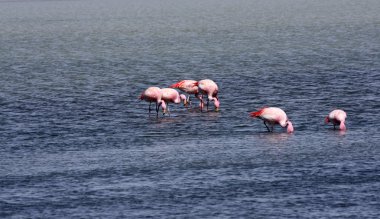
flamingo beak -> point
(217, 109)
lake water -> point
(75, 141)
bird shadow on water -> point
(211, 113)
(164, 118)
(198, 110)
(336, 132)
(273, 137)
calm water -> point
(76, 142)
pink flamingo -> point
(209, 88)
(169, 95)
(273, 116)
(187, 86)
(337, 117)
(153, 94)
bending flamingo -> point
(153, 94)
(337, 117)
(209, 88)
(274, 116)
(187, 86)
(169, 95)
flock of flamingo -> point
(270, 115)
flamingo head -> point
(327, 120)
(216, 103)
(290, 128)
(183, 98)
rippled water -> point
(76, 142)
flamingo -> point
(337, 117)
(187, 86)
(209, 88)
(169, 95)
(273, 116)
(153, 94)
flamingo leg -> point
(168, 109)
(266, 126)
(207, 104)
(200, 99)
(149, 107)
(157, 109)
(202, 103)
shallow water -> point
(76, 141)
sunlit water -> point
(76, 142)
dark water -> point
(76, 143)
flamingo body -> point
(170, 95)
(337, 117)
(274, 116)
(187, 86)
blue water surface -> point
(75, 141)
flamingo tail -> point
(177, 85)
(257, 113)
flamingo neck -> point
(163, 105)
(216, 102)
(342, 126)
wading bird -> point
(153, 94)
(169, 95)
(273, 116)
(209, 88)
(189, 87)
(337, 117)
